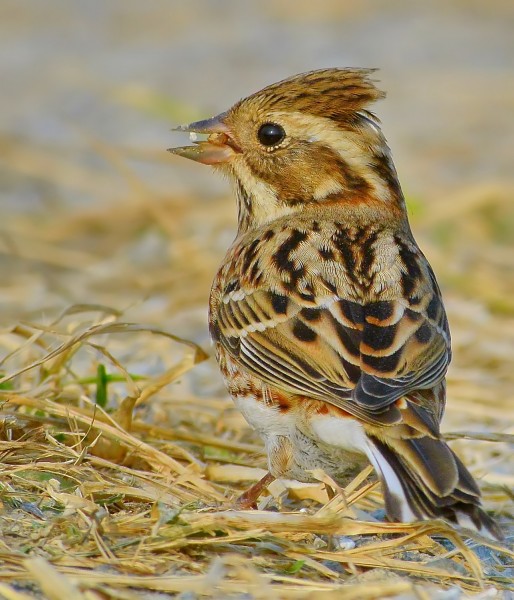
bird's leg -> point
(248, 499)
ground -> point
(120, 452)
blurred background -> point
(94, 210)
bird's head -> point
(307, 139)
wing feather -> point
(361, 356)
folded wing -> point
(361, 357)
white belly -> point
(340, 433)
(264, 418)
(338, 446)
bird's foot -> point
(249, 498)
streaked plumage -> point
(327, 319)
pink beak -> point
(219, 146)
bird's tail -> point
(423, 479)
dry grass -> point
(120, 453)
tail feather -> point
(435, 463)
(423, 478)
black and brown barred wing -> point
(291, 323)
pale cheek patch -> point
(252, 185)
(348, 144)
(326, 188)
(267, 208)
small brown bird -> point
(327, 319)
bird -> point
(327, 320)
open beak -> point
(218, 148)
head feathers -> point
(332, 93)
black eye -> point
(271, 134)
